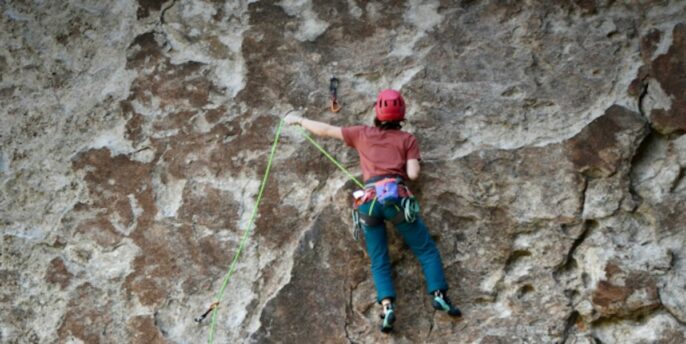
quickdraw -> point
(357, 225)
(410, 208)
(212, 307)
(333, 90)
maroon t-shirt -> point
(382, 151)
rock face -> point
(134, 137)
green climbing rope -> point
(248, 228)
(335, 162)
(246, 231)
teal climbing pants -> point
(415, 235)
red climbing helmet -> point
(390, 106)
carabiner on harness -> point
(410, 208)
(357, 225)
(333, 91)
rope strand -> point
(246, 231)
(335, 162)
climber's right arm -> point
(316, 127)
(413, 169)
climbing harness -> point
(333, 91)
(389, 191)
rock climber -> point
(388, 157)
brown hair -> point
(387, 125)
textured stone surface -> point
(135, 135)
(666, 104)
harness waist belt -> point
(374, 179)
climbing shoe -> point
(387, 318)
(442, 303)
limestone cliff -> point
(134, 135)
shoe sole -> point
(387, 325)
(440, 305)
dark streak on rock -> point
(678, 179)
(58, 274)
(266, 73)
(649, 44)
(588, 7)
(668, 69)
(147, 6)
(143, 330)
(144, 50)
(134, 126)
(84, 310)
(514, 258)
(6, 92)
(596, 151)
(3, 66)
(582, 194)
(207, 206)
(570, 323)
(570, 264)
(349, 309)
(164, 11)
(611, 299)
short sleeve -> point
(413, 148)
(351, 135)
